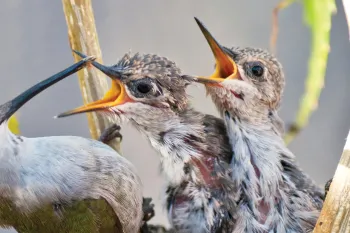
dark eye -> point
(257, 70)
(143, 87)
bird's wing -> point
(303, 182)
(94, 180)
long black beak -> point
(9, 108)
(109, 71)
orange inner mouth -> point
(115, 96)
(225, 68)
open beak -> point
(225, 68)
(115, 96)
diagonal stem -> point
(273, 39)
(335, 214)
(83, 37)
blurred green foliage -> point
(318, 17)
(13, 124)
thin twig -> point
(83, 37)
(274, 34)
(317, 15)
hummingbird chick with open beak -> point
(149, 91)
(99, 188)
(276, 195)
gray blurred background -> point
(34, 45)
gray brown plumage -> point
(276, 195)
(149, 91)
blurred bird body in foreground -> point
(149, 91)
(275, 194)
(64, 183)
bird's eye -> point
(257, 70)
(143, 87)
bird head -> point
(145, 88)
(246, 81)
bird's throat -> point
(257, 161)
(186, 146)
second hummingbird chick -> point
(276, 195)
(149, 91)
(100, 187)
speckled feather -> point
(277, 196)
(194, 148)
(182, 136)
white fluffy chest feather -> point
(175, 152)
(256, 158)
(269, 194)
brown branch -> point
(83, 37)
(274, 33)
(335, 214)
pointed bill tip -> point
(225, 65)
(79, 54)
(61, 115)
(197, 20)
(105, 69)
(201, 26)
(206, 32)
(203, 80)
(89, 58)
(65, 114)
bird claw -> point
(111, 133)
(148, 209)
(148, 214)
(58, 210)
(326, 187)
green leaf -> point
(13, 125)
(318, 16)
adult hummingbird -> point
(275, 194)
(149, 91)
(64, 183)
